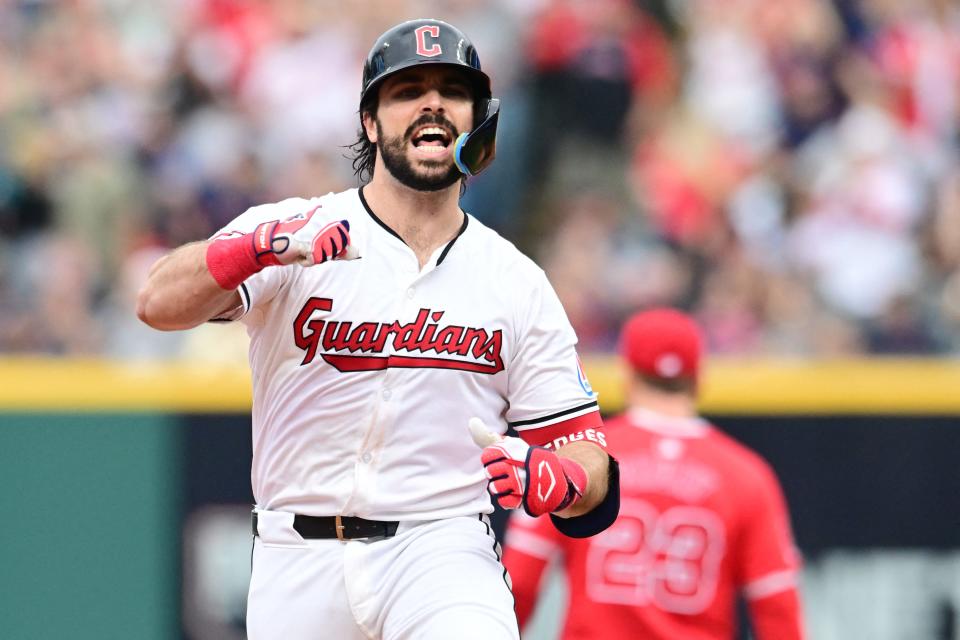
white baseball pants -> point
(434, 580)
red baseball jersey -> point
(701, 518)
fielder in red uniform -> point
(702, 517)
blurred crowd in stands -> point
(787, 171)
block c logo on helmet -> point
(434, 49)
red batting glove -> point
(533, 477)
(303, 239)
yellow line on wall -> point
(910, 386)
(881, 386)
(884, 386)
(36, 384)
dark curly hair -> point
(364, 152)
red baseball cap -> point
(662, 343)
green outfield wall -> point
(89, 530)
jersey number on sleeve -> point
(669, 560)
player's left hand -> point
(522, 475)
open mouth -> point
(432, 139)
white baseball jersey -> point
(366, 372)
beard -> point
(393, 152)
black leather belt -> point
(340, 527)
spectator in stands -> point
(741, 147)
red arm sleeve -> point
(769, 562)
(530, 545)
(777, 617)
(588, 427)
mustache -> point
(430, 118)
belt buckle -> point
(338, 522)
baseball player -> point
(702, 517)
(393, 339)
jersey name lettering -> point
(685, 480)
(589, 434)
(473, 349)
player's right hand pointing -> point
(521, 475)
(305, 239)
